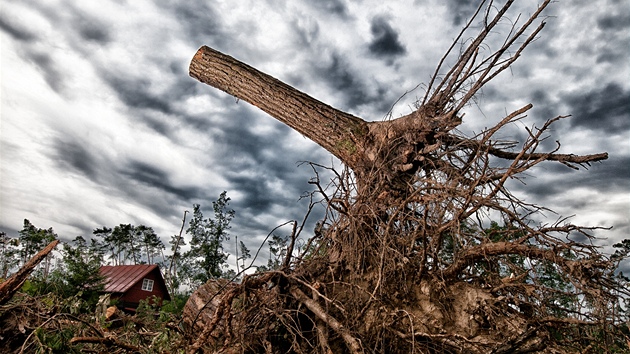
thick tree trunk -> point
(394, 146)
(342, 134)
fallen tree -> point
(411, 260)
(9, 287)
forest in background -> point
(67, 280)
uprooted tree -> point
(410, 260)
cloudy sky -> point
(101, 124)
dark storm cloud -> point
(614, 29)
(550, 179)
(607, 176)
(385, 42)
(254, 162)
(201, 22)
(134, 92)
(158, 123)
(257, 195)
(93, 31)
(48, 67)
(339, 75)
(614, 22)
(182, 87)
(544, 108)
(14, 28)
(74, 155)
(335, 7)
(461, 10)
(248, 149)
(606, 109)
(154, 177)
(154, 108)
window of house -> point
(147, 284)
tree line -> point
(196, 255)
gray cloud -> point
(461, 10)
(548, 180)
(308, 34)
(14, 28)
(352, 86)
(73, 155)
(91, 30)
(606, 109)
(201, 22)
(336, 7)
(616, 22)
(134, 92)
(50, 69)
(152, 107)
(385, 42)
(154, 177)
(614, 28)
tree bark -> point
(394, 146)
(340, 133)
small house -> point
(128, 284)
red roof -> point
(118, 279)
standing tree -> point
(127, 241)
(150, 242)
(107, 242)
(9, 254)
(411, 261)
(80, 272)
(206, 255)
(243, 255)
(172, 264)
(32, 240)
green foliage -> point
(81, 270)
(32, 240)
(277, 251)
(176, 305)
(126, 242)
(9, 254)
(108, 244)
(206, 260)
(76, 277)
(149, 242)
(55, 341)
(244, 254)
(622, 250)
(62, 299)
(148, 308)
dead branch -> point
(287, 259)
(353, 344)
